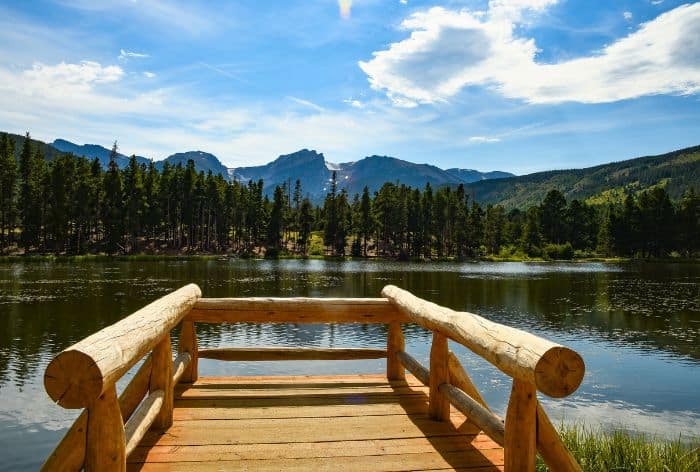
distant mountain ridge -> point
(309, 166)
(676, 171)
(92, 151)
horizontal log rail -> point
(290, 354)
(142, 419)
(295, 310)
(77, 376)
(111, 426)
(555, 370)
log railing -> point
(85, 374)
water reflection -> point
(631, 322)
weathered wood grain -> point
(294, 310)
(80, 374)
(555, 370)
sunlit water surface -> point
(637, 326)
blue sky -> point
(516, 85)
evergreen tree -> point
(344, 223)
(689, 223)
(305, 222)
(274, 227)
(494, 228)
(553, 217)
(531, 240)
(112, 208)
(8, 182)
(427, 204)
(134, 202)
(475, 230)
(29, 205)
(330, 233)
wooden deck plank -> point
(312, 422)
(467, 444)
(391, 462)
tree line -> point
(71, 205)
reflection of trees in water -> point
(47, 307)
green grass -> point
(597, 450)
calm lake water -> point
(637, 326)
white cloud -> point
(306, 103)
(64, 78)
(627, 15)
(126, 55)
(354, 103)
(403, 2)
(657, 2)
(450, 50)
(484, 139)
(149, 75)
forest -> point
(70, 205)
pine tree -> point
(552, 217)
(305, 221)
(274, 228)
(689, 223)
(112, 208)
(134, 202)
(427, 205)
(330, 232)
(494, 228)
(29, 214)
(531, 240)
(8, 178)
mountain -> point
(374, 171)
(307, 166)
(92, 151)
(676, 171)
(315, 173)
(47, 150)
(203, 162)
(470, 175)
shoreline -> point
(211, 257)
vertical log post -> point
(188, 343)
(438, 404)
(106, 442)
(521, 428)
(394, 345)
(162, 379)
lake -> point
(636, 325)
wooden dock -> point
(362, 423)
(169, 419)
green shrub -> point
(559, 251)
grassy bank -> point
(597, 450)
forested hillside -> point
(71, 205)
(675, 171)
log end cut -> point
(73, 380)
(559, 372)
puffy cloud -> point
(627, 15)
(63, 78)
(450, 50)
